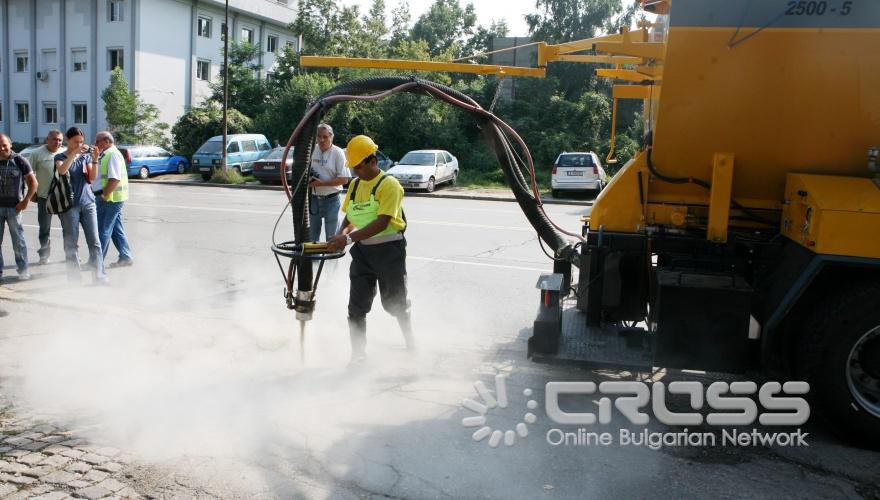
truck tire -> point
(838, 353)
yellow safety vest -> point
(121, 192)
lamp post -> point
(225, 81)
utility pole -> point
(225, 81)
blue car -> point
(149, 160)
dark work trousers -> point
(383, 264)
(44, 219)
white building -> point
(56, 55)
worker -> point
(374, 223)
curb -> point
(454, 196)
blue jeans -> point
(110, 228)
(44, 218)
(326, 209)
(87, 217)
(11, 218)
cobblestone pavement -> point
(39, 460)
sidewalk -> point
(448, 192)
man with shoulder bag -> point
(15, 175)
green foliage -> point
(445, 26)
(201, 123)
(130, 119)
(228, 176)
(287, 105)
(568, 111)
(247, 92)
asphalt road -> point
(190, 362)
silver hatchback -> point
(577, 171)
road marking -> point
(479, 264)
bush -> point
(228, 176)
(201, 123)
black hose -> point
(496, 137)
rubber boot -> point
(405, 322)
(357, 329)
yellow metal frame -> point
(438, 66)
(719, 199)
(547, 53)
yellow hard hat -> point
(359, 147)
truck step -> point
(606, 346)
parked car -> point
(144, 161)
(242, 150)
(425, 169)
(577, 171)
(268, 169)
(26, 152)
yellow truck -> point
(746, 232)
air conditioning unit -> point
(42, 76)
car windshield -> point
(417, 159)
(277, 153)
(210, 147)
(575, 161)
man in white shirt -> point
(43, 163)
(328, 174)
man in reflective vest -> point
(111, 191)
(374, 223)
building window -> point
(114, 10)
(50, 60)
(22, 112)
(203, 70)
(204, 27)
(80, 113)
(50, 112)
(272, 43)
(21, 62)
(115, 59)
(247, 35)
(78, 57)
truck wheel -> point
(839, 355)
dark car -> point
(268, 170)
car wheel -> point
(430, 187)
(237, 169)
(144, 173)
(181, 167)
(454, 178)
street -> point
(188, 367)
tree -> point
(199, 124)
(400, 19)
(129, 118)
(445, 26)
(558, 21)
(246, 91)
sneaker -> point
(122, 263)
(43, 261)
(24, 277)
